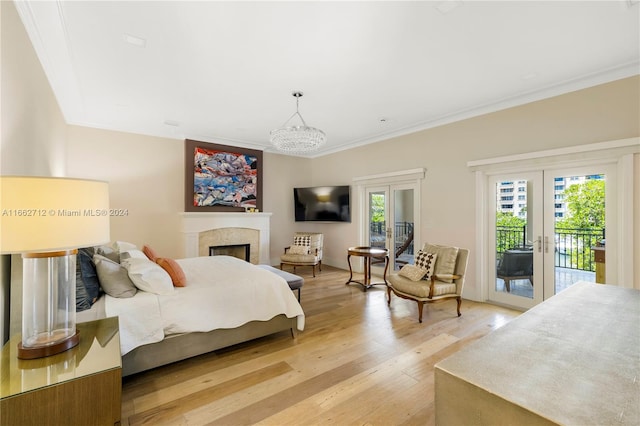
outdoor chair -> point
(515, 265)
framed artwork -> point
(220, 178)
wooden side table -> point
(368, 253)
(81, 386)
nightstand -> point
(81, 386)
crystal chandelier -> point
(297, 139)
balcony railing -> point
(402, 231)
(571, 245)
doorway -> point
(391, 219)
(546, 228)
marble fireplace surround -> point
(202, 230)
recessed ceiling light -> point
(447, 6)
(383, 120)
(136, 41)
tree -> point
(510, 231)
(585, 204)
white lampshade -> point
(49, 213)
(47, 219)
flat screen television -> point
(322, 204)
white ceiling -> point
(224, 71)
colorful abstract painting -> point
(222, 178)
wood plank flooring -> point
(357, 362)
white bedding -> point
(221, 292)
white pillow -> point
(148, 276)
(132, 253)
(414, 273)
(294, 249)
(122, 246)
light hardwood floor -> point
(357, 362)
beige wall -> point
(146, 179)
(33, 130)
(602, 113)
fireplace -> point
(241, 251)
(204, 230)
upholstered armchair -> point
(305, 251)
(438, 273)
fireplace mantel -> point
(194, 223)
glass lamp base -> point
(43, 348)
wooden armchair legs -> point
(419, 302)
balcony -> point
(574, 259)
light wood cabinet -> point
(81, 386)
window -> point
(507, 206)
(522, 189)
(559, 214)
(559, 187)
(507, 198)
(558, 205)
(506, 190)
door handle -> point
(546, 244)
(539, 242)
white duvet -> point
(221, 292)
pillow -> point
(174, 270)
(114, 279)
(299, 249)
(302, 240)
(132, 253)
(88, 273)
(108, 252)
(150, 253)
(83, 301)
(426, 261)
(121, 246)
(148, 276)
(414, 273)
(446, 263)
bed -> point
(225, 301)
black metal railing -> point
(403, 230)
(571, 245)
(510, 237)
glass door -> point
(391, 220)
(515, 230)
(547, 231)
(378, 234)
(578, 201)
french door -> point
(391, 217)
(545, 229)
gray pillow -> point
(109, 253)
(114, 279)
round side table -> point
(368, 253)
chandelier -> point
(297, 139)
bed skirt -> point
(183, 346)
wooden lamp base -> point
(44, 351)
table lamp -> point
(47, 219)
